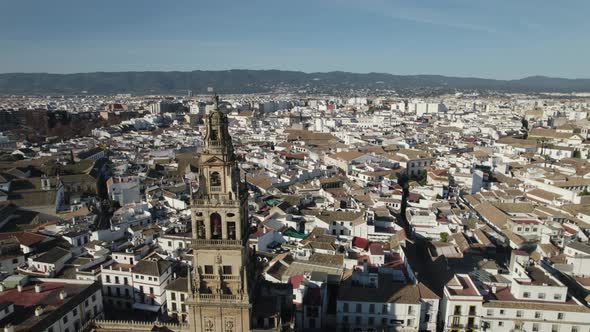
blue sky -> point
(493, 38)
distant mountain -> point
(257, 81)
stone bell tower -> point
(219, 299)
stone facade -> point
(219, 299)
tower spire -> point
(216, 101)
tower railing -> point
(201, 243)
(216, 298)
(218, 201)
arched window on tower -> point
(215, 182)
(215, 223)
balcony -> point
(218, 201)
(203, 243)
(224, 298)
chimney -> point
(38, 311)
(63, 294)
(494, 289)
(19, 288)
(2, 288)
(38, 288)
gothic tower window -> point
(215, 220)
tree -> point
(444, 236)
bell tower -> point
(219, 299)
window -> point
(535, 327)
(181, 297)
(170, 243)
(501, 311)
(557, 297)
(65, 319)
(116, 279)
(472, 310)
(560, 315)
(537, 314)
(231, 230)
(125, 281)
(357, 320)
(372, 308)
(384, 309)
(215, 179)
(215, 224)
(200, 229)
(75, 312)
(208, 269)
(173, 306)
(457, 310)
(519, 313)
(227, 269)
(93, 297)
(471, 322)
(151, 290)
(371, 321)
(345, 319)
(526, 295)
(410, 310)
(490, 312)
(574, 329)
(541, 295)
(500, 323)
(554, 328)
(345, 307)
(173, 296)
(50, 329)
(108, 278)
(359, 307)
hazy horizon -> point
(497, 40)
(294, 70)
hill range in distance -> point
(264, 81)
